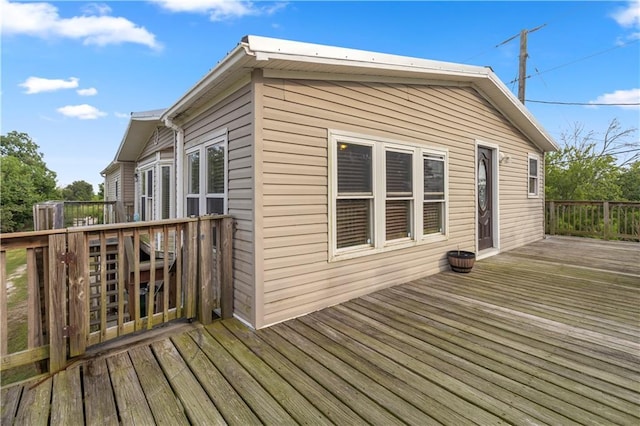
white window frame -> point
(378, 226)
(160, 196)
(149, 199)
(200, 145)
(536, 193)
(437, 236)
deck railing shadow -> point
(87, 285)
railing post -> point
(226, 286)
(205, 269)
(552, 218)
(190, 270)
(57, 302)
(605, 214)
(78, 329)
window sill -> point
(390, 246)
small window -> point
(206, 176)
(534, 170)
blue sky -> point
(73, 71)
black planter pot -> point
(461, 261)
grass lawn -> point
(16, 274)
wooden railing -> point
(88, 285)
(67, 214)
(598, 219)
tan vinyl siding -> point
(161, 139)
(234, 113)
(298, 277)
(127, 183)
(111, 179)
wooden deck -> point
(546, 334)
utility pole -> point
(522, 68)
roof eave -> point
(224, 66)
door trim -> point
(495, 201)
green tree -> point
(79, 190)
(24, 181)
(588, 167)
(629, 182)
(100, 195)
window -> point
(534, 170)
(354, 202)
(385, 194)
(165, 194)
(146, 194)
(206, 170)
(399, 197)
(193, 183)
(433, 199)
(116, 190)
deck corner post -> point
(78, 294)
(190, 272)
(552, 218)
(205, 272)
(57, 303)
(226, 287)
(605, 215)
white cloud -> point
(219, 10)
(42, 20)
(629, 17)
(91, 91)
(122, 114)
(620, 97)
(83, 112)
(96, 9)
(38, 84)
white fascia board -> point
(518, 114)
(265, 48)
(147, 115)
(227, 63)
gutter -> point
(178, 151)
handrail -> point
(112, 287)
(618, 220)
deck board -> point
(548, 333)
(164, 405)
(198, 406)
(66, 404)
(99, 404)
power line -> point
(581, 59)
(558, 18)
(584, 103)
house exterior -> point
(142, 174)
(349, 171)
